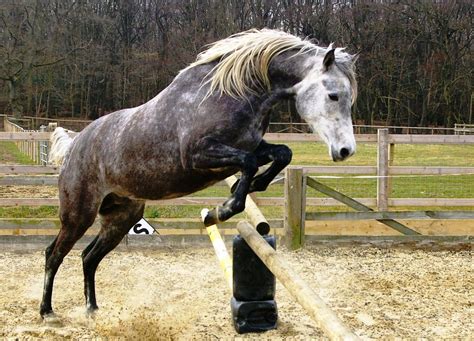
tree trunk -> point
(15, 106)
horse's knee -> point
(283, 155)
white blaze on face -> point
(323, 99)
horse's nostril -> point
(344, 152)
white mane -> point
(244, 59)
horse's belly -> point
(174, 185)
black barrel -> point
(253, 306)
(252, 281)
(254, 316)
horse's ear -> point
(355, 57)
(329, 59)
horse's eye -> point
(333, 97)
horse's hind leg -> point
(117, 217)
(76, 218)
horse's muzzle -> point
(340, 154)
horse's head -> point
(258, 61)
(324, 98)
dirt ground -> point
(16, 191)
(181, 294)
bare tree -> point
(87, 58)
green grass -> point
(402, 187)
(314, 154)
(434, 155)
(29, 212)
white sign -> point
(142, 227)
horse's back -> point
(146, 152)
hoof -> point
(209, 217)
(91, 312)
(46, 311)
(51, 319)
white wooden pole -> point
(220, 249)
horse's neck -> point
(288, 69)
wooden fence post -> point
(391, 157)
(382, 169)
(295, 207)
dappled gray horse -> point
(205, 126)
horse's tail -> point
(60, 144)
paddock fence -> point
(383, 177)
(398, 223)
(35, 122)
(302, 127)
(463, 129)
(36, 149)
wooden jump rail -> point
(256, 217)
(325, 318)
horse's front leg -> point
(213, 154)
(280, 156)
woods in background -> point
(85, 58)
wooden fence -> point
(463, 129)
(47, 175)
(302, 127)
(35, 149)
(296, 216)
(34, 123)
(42, 175)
